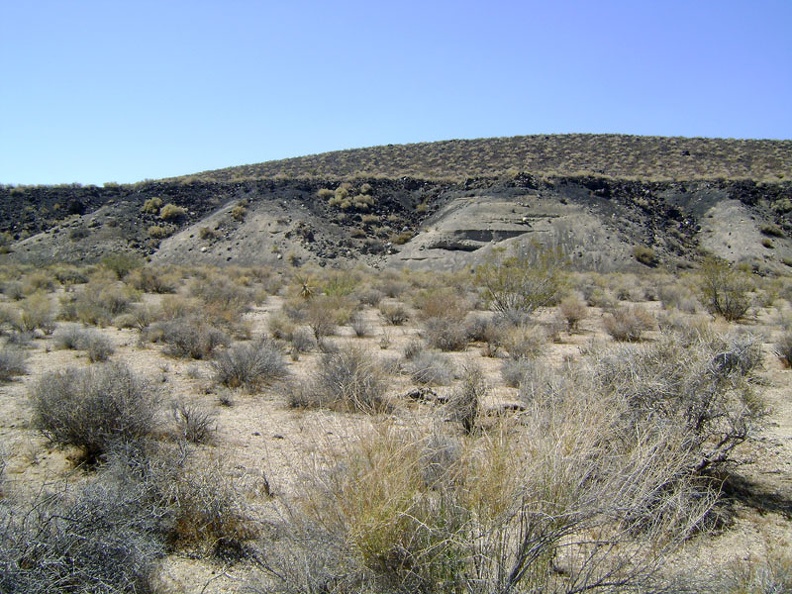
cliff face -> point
(600, 223)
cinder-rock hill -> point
(661, 202)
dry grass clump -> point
(149, 279)
(349, 379)
(678, 296)
(222, 300)
(250, 366)
(616, 455)
(523, 341)
(208, 517)
(552, 504)
(99, 408)
(443, 313)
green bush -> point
(122, 263)
(725, 291)
(172, 212)
(514, 286)
(152, 205)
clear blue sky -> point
(93, 91)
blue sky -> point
(94, 91)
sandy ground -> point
(264, 445)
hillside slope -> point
(321, 210)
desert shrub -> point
(208, 515)
(122, 264)
(208, 234)
(393, 286)
(12, 289)
(70, 275)
(369, 296)
(138, 316)
(430, 368)
(725, 291)
(35, 313)
(466, 401)
(348, 379)
(507, 510)
(359, 325)
(394, 314)
(678, 296)
(445, 333)
(239, 211)
(152, 205)
(323, 314)
(698, 385)
(194, 422)
(514, 286)
(514, 370)
(159, 232)
(441, 303)
(771, 230)
(172, 212)
(783, 348)
(628, 323)
(572, 310)
(301, 341)
(97, 303)
(224, 300)
(98, 408)
(250, 366)
(645, 255)
(524, 341)
(12, 363)
(280, 326)
(106, 538)
(189, 338)
(770, 573)
(97, 346)
(41, 281)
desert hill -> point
(606, 201)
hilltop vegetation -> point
(560, 155)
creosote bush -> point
(725, 290)
(515, 285)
